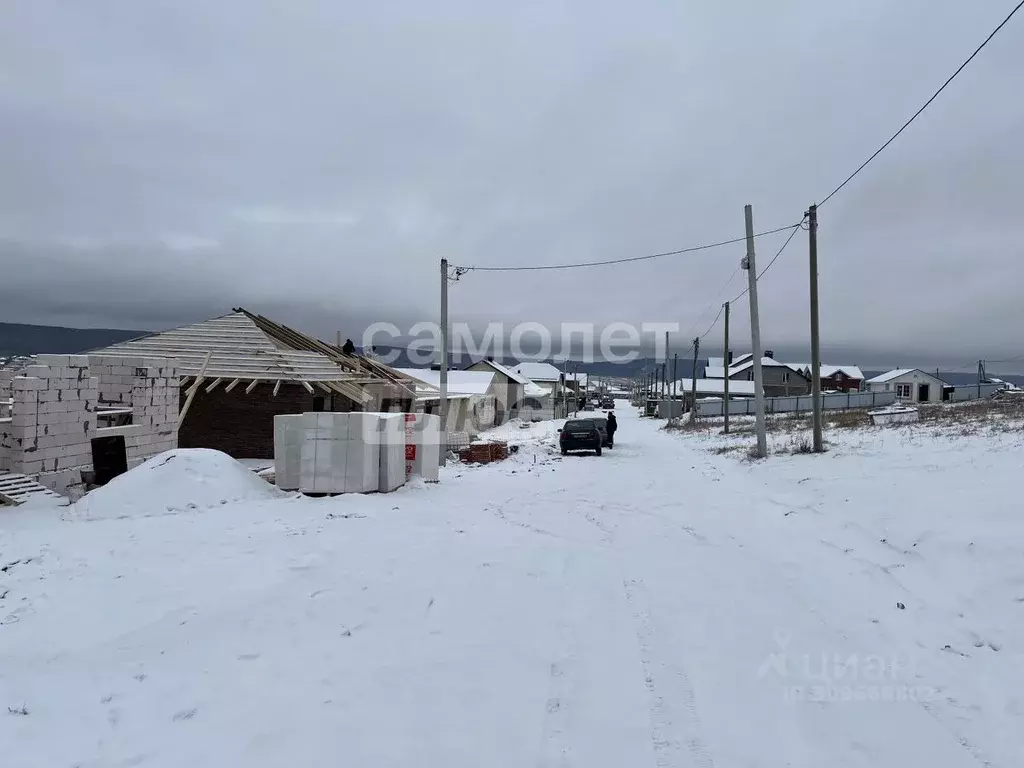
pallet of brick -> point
(499, 450)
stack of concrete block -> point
(339, 452)
(392, 451)
(289, 432)
(423, 445)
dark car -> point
(582, 435)
(608, 403)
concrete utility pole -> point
(444, 362)
(725, 382)
(749, 264)
(675, 375)
(812, 231)
(693, 388)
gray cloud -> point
(165, 161)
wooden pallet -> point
(17, 489)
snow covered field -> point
(658, 606)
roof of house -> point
(827, 371)
(241, 346)
(459, 382)
(517, 377)
(717, 372)
(538, 371)
(715, 387)
(897, 373)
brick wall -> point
(242, 425)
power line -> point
(721, 290)
(913, 117)
(714, 322)
(796, 228)
(691, 249)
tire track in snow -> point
(555, 748)
(663, 682)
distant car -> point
(608, 402)
(589, 406)
(582, 435)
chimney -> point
(769, 354)
(490, 359)
(729, 361)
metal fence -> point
(795, 403)
(974, 392)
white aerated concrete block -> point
(423, 446)
(392, 452)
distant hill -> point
(19, 339)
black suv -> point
(581, 434)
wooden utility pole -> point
(725, 382)
(444, 362)
(812, 230)
(749, 264)
(693, 388)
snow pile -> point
(182, 479)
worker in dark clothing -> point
(349, 348)
(613, 424)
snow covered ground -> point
(660, 605)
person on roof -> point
(349, 348)
(613, 425)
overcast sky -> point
(167, 160)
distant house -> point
(910, 385)
(834, 378)
(779, 379)
(546, 398)
(715, 388)
(470, 396)
(508, 387)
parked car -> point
(582, 434)
(608, 402)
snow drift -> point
(182, 479)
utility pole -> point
(725, 382)
(812, 230)
(749, 264)
(444, 362)
(675, 375)
(693, 388)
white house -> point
(911, 385)
(545, 399)
(471, 398)
(508, 387)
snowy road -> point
(657, 606)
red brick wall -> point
(242, 425)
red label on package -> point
(410, 453)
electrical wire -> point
(913, 117)
(626, 260)
(796, 228)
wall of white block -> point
(53, 420)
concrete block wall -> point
(154, 401)
(53, 419)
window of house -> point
(903, 390)
(750, 376)
(785, 379)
